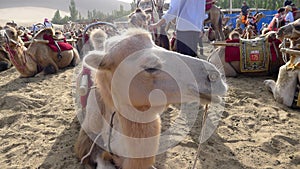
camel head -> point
(258, 16)
(9, 35)
(133, 71)
(98, 37)
(290, 31)
(139, 18)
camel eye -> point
(212, 77)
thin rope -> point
(91, 149)
(201, 135)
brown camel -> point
(232, 68)
(4, 59)
(135, 81)
(285, 88)
(215, 17)
(38, 57)
(5, 62)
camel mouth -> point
(207, 96)
(210, 98)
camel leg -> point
(51, 68)
(76, 58)
(270, 84)
(4, 66)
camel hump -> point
(45, 31)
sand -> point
(38, 127)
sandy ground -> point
(38, 127)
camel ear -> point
(97, 60)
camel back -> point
(41, 33)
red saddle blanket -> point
(62, 45)
(232, 53)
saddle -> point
(254, 55)
(63, 45)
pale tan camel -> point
(38, 57)
(133, 59)
(248, 33)
(285, 87)
(217, 57)
(139, 18)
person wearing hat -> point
(289, 15)
(244, 10)
(47, 23)
(278, 20)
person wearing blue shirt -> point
(190, 16)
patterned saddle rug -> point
(254, 54)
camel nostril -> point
(151, 70)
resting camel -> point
(4, 59)
(232, 68)
(38, 57)
(287, 84)
(135, 81)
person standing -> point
(289, 15)
(277, 21)
(190, 16)
(244, 11)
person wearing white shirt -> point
(190, 16)
(289, 15)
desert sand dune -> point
(27, 16)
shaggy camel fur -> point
(133, 59)
(232, 69)
(285, 87)
(38, 57)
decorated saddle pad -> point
(254, 55)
